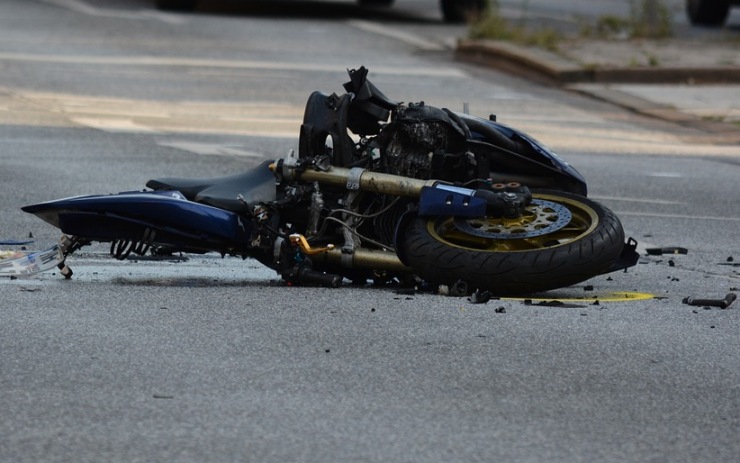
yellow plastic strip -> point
(615, 296)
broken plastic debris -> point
(729, 263)
(666, 250)
(13, 263)
(15, 242)
(553, 303)
(459, 289)
(11, 254)
(480, 297)
(721, 303)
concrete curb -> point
(532, 63)
(548, 68)
(542, 65)
(723, 133)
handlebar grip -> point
(306, 275)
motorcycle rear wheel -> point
(562, 240)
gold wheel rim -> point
(584, 219)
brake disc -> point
(540, 218)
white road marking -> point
(678, 216)
(222, 63)
(634, 200)
(248, 118)
(664, 174)
(397, 34)
(113, 125)
(82, 7)
(210, 149)
(621, 141)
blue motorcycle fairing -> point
(128, 215)
(524, 157)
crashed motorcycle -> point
(379, 191)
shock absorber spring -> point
(121, 249)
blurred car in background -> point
(452, 10)
(711, 13)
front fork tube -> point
(354, 180)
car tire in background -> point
(707, 12)
(375, 2)
(457, 11)
(177, 5)
(453, 11)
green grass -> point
(648, 19)
(494, 27)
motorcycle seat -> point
(255, 186)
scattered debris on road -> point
(480, 297)
(666, 250)
(553, 303)
(15, 242)
(721, 303)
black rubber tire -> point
(596, 240)
(711, 13)
(458, 11)
(177, 5)
(375, 2)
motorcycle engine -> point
(419, 136)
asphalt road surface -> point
(210, 359)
